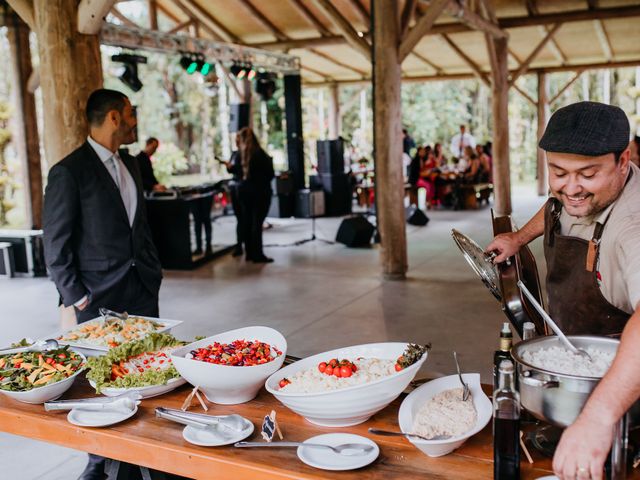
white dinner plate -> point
(215, 435)
(98, 418)
(329, 460)
(146, 392)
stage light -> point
(129, 75)
(241, 74)
(193, 66)
(251, 75)
(206, 68)
(266, 85)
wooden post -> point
(27, 140)
(500, 109)
(70, 70)
(388, 140)
(334, 111)
(543, 118)
(153, 14)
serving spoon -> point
(390, 433)
(38, 346)
(551, 323)
(346, 449)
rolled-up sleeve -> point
(60, 216)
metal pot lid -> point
(481, 262)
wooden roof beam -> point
(567, 85)
(420, 29)
(120, 16)
(25, 10)
(329, 58)
(603, 38)
(525, 95)
(344, 27)
(200, 14)
(408, 12)
(153, 14)
(474, 66)
(263, 20)
(310, 17)
(362, 12)
(553, 46)
(180, 27)
(432, 65)
(168, 14)
(326, 77)
(91, 14)
(525, 65)
(475, 21)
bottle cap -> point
(506, 366)
(506, 330)
(528, 326)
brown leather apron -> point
(575, 300)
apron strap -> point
(594, 244)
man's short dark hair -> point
(150, 140)
(101, 102)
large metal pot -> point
(554, 397)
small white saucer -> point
(215, 435)
(98, 418)
(328, 460)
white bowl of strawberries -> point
(346, 386)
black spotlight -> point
(266, 85)
(130, 75)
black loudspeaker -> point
(309, 203)
(282, 206)
(415, 216)
(330, 156)
(239, 117)
(282, 184)
(338, 193)
(355, 232)
(293, 115)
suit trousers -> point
(255, 206)
(201, 210)
(234, 193)
(130, 295)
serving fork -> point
(466, 391)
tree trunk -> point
(70, 69)
(500, 109)
(388, 140)
(26, 138)
(543, 118)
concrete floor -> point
(319, 296)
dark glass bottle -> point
(506, 426)
(503, 353)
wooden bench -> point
(472, 196)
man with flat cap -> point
(591, 228)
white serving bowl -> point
(351, 405)
(421, 395)
(225, 384)
(47, 392)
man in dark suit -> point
(98, 246)
(149, 181)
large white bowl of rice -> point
(436, 408)
(340, 402)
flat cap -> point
(586, 128)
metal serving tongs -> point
(37, 346)
(106, 313)
(551, 323)
(199, 420)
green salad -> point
(141, 363)
(21, 372)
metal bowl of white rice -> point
(554, 382)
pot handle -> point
(536, 382)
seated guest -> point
(414, 174)
(428, 174)
(485, 161)
(149, 181)
(477, 171)
(441, 160)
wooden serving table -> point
(156, 443)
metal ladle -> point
(570, 346)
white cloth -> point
(457, 146)
(121, 176)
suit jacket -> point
(88, 243)
(149, 179)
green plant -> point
(8, 185)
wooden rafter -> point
(263, 20)
(408, 12)
(566, 85)
(329, 58)
(362, 12)
(207, 19)
(525, 65)
(180, 27)
(120, 16)
(91, 14)
(553, 45)
(344, 27)
(326, 77)
(473, 65)
(24, 9)
(192, 17)
(168, 14)
(435, 67)
(475, 21)
(603, 38)
(153, 14)
(421, 28)
(310, 17)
